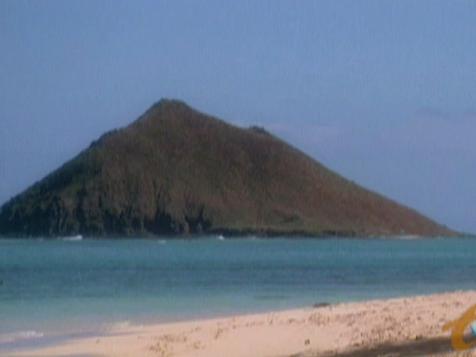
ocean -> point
(52, 289)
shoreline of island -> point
(242, 235)
(347, 329)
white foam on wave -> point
(75, 238)
(221, 237)
(121, 326)
(409, 237)
(20, 335)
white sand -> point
(310, 331)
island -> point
(176, 171)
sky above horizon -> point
(383, 92)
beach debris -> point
(318, 305)
(219, 332)
(307, 342)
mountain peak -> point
(166, 108)
(170, 103)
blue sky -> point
(381, 91)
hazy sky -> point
(381, 91)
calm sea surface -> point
(49, 287)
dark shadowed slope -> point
(176, 170)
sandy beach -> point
(394, 327)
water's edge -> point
(54, 289)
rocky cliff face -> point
(178, 171)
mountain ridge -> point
(178, 171)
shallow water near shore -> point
(54, 288)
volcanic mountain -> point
(178, 171)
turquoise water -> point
(51, 287)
